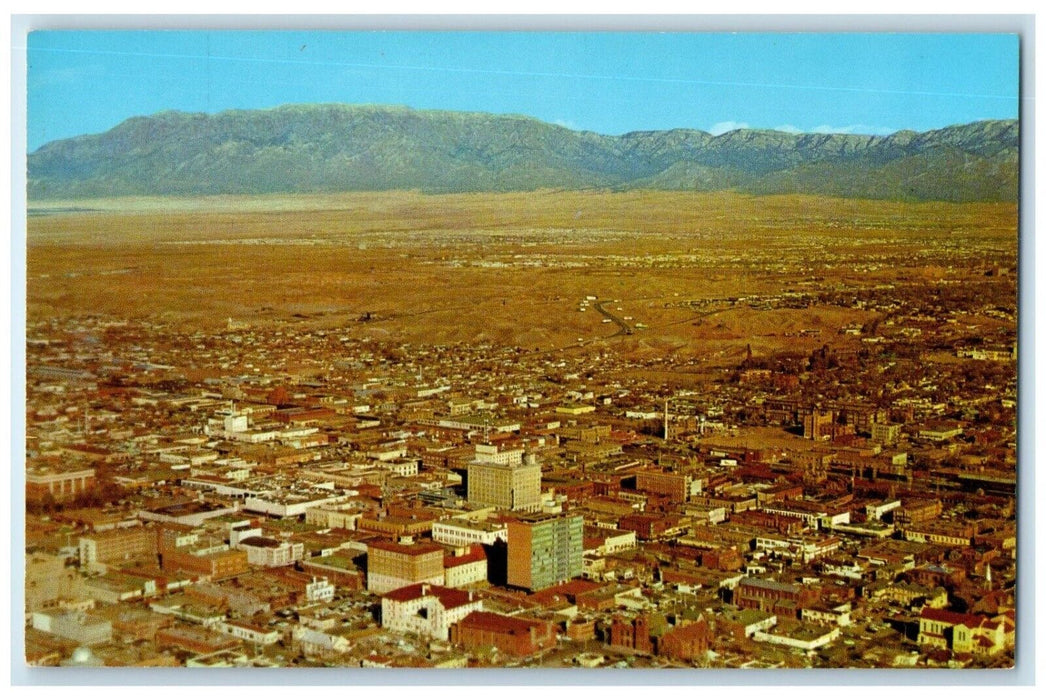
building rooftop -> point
(415, 549)
(448, 597)
(493, 622)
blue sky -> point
(89, 81)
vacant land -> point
(696, 274)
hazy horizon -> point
(608, 83)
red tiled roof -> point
(952, 618)
(474, 555)
(574, 588)
(448, 597)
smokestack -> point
(666, 419)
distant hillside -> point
(331, 148)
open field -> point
(694, 274)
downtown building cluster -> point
(302, 497)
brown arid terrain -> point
(692, 275)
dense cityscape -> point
(299, 492)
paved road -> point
(625, 328)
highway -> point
(625, 329)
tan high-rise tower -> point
(510, 486)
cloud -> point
(723, 127)
(788, 129)
(566, 124)
(65, 76)
(863, 129)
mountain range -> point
(336, 148)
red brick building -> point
(515, 636)
(782, 599)
(686, 643)
(648, 527)
(632, 634)
(217, 565)
(675, 486)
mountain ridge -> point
(315, 148)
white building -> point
(876, 511)
(402, 467)
(320, 590)
(491, 454)
(838, 616)
(75, 625)
(265, 551)
(458, 532)
(344, 517)
(235, 423)
(250, 633)
(803, 638)
(426, 610)
(291, 504)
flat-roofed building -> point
(782, 599)
(340, 570)
(117, 545)
(458, 532)
(544, 550)
(217, 564)
(391, 565)
(291, 504)
(267, 552)
(674, 486)
(886, 433)
(482, 423)
(515, 636)
(192, 513)
(494, 454)
(76, 625)
(395, 525)
(917, 512)
(249, 632)
(941, 432)
(510, 486)
(59, 484)
(343, 516)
